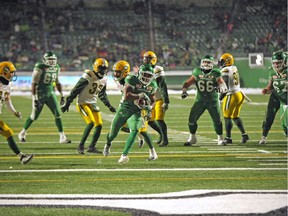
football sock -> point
(130, 141)
(156, 127)
(28, 123)
(58, 123)
(96, 135)
(86, 133)
(147, 139)
(163, 126)
(228, 126)
(12, 144)
(238, 122)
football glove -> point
(18, 115)
(112, 109)
(222, 95)
(184, 95)
(148, 116)
(222, 88)
(165, 107)
(65, 107)
(62, 101)
(37, 104)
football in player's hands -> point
(141, 103)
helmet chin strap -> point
(99, 75)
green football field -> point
(59, 169)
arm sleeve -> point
(77, 89)
(161, 82)
(103, 97)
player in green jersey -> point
(45, 73)
(208, 81)
(138, 93)
(278, 85)
(91, 85)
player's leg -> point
(153, 124)
(97, 132)
(196, 111)
(8, 133)
(272, 108)
(53, 105)
(214, 111)
(35, 113)
(159, 117)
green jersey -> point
(44, 76)
(206, 84)
(280, 84)
(138, 87)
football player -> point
(277, 87)
(162, 99)
(91, 85)
(121, 70)
(208, 81)
(7, 74)
(233, 99)
(45, 73)
(138, 94)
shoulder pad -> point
(225, 70)
(40, 65)
(158, 69)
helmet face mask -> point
(145, 76)
(100, 67)
(121, 69)
(278, 61)
(150, 57)
(8, 71)
(207, 63)
(50, 59)
(226, 60)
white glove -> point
(18, 115)
(142, 95)
(222, 88)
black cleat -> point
(93, 150)
(80, 149)
(227, 141)
(245, 138)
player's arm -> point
(10, 107)
(186, 85)
(80, 85)
(102, 95)
(269, 88)
(226, 80)
(222, 87)
(162, 85)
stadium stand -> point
(78, 32)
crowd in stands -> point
(78, 34)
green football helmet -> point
(278, 61)
(146, 74)
(207, 62)
(50, 59)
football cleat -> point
(152, 155)
(26, 158)
(245, 138)
(93, 150)
(80, 149)
(220, 141)
(192, 140)
(263, 140)
(163, 144)
(106, 150)
(227, 140)
(22, 136)
(65, 141)
(187, 144)
(123, 159)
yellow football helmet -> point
(150, 57)
(7, 70)
(226, 60)
(121, 69)
(100, 67)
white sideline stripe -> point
(264, 151)
(273, 164)
(194, 201)
(141, 170)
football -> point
(141, 103)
